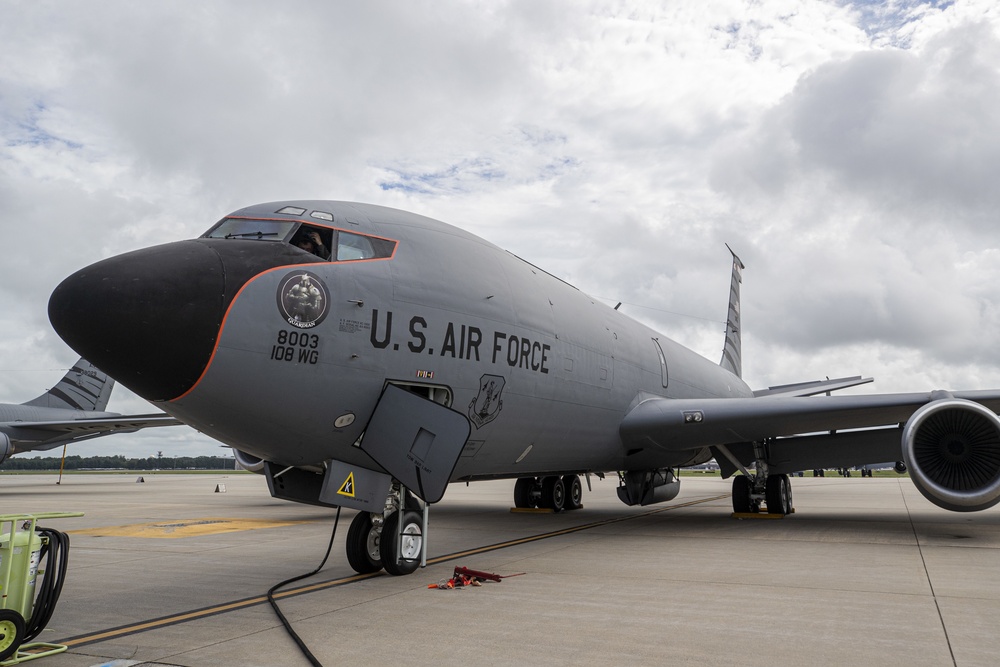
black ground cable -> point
(284, 621)
(55, 552)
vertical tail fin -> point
(732, 355)
(84, 387)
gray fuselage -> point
(532, 361)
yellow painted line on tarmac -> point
(165, 621)
(195, 614)
(567, 531)
(183, 528)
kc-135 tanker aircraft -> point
(365, 357)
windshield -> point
(264, 230)
(325, 242)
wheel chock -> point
(220, 488)
(532, 510)
(140, 480)
(759, 515)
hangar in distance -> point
(356, 354)
(71, 411)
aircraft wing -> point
(812, 388)
(685, 424)
(42, 435)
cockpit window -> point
(316, 240)
(325, 242)
(353, 246)
(261, 230)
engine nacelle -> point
(249, 461)
(6, 449)
(952, 450)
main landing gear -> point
(776, 494)
(749, 491)
(552, 492)
(371, 539)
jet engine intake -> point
(249, 461)
(646, 487)
(952, 449)
(6, 449)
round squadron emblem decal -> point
(303, 299)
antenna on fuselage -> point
(732, 356)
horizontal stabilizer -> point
(42, 435)
(812, 388)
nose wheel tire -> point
(11, 632)
(363, 540)
(412, 539)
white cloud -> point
(873, 180)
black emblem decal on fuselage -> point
(486, 406)
(303, 299)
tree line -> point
(120, 463)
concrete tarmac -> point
(865, 572)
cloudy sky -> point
(849, 152)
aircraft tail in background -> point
(732, 355)
(84, 387)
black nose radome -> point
(150, 318)
(147, 318)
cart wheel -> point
(11, 632)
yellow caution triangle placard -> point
(347, 488)
(352, 487)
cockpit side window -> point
(353, 246)
(317, 240)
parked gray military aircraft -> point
(354, 354)
(71, 411)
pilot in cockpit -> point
(309, 240)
